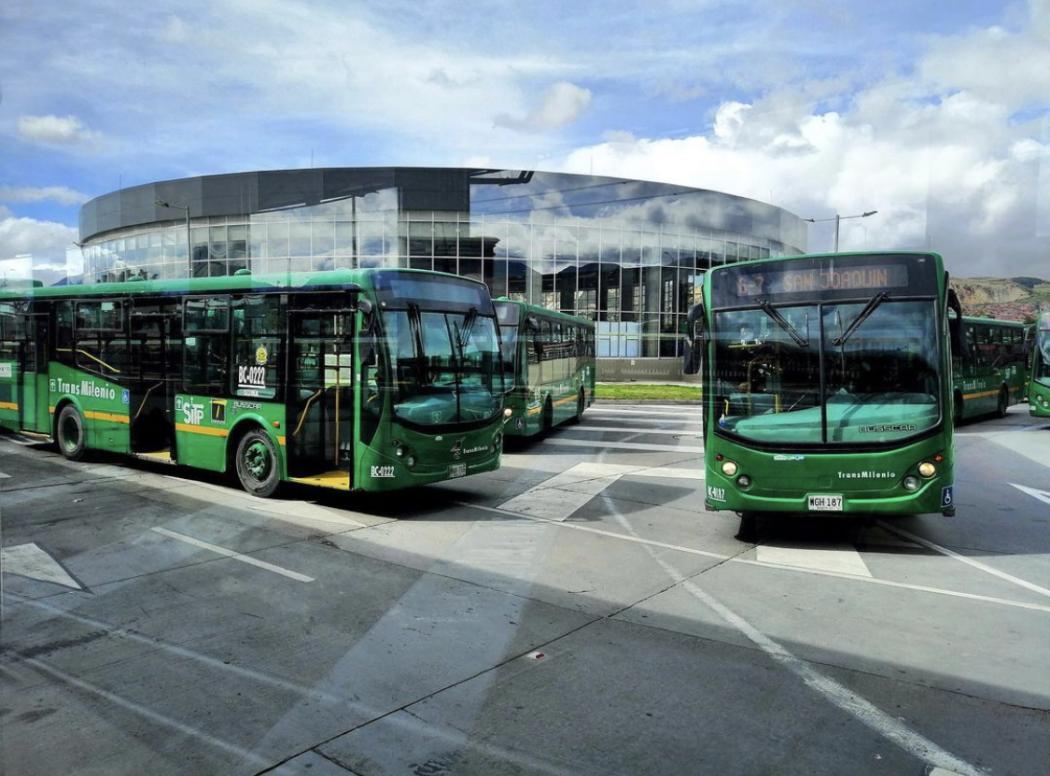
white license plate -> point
(825, 503)
(457, 470)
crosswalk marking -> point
(621, 430)
(685, 411)
(840, 558)
(1042, 495)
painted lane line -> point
(137, 708)
(234, 555)
(967, 560)
(860, 708)
(750, 562)
(669, 472)
(624, 445)
(561, 495)
(1042, 495)
(685, 411)
(29, 560)
(842, 558)
(620, 430)
(4, 476)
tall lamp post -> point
(189, 249)
(839, 219)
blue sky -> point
(935, 114)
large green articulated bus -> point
(1039, 379)
(989, 373)
(370, 379)
(548, 360)
(826, 385)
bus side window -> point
(100, 344)
(546, 343)
(206, 340)
(257, 348)
(64, 332)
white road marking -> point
(620, 430)
(749, 562)
(1042, 495)
(558, 497)
(664, 421)
(968, 561)
(841, 558)
(624, 445)
(891, 728)
(4, 476)
(670, 472)
(684, 411)
(234, 555)
(136, 708)
(29, 560)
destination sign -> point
(863, 277)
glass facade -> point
(627, 254)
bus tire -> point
(256, 463)
(1004, 403)
(748, 531)
(69, 433)
(581, 405)
(548, 416)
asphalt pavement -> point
(574, 612)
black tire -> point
(957, 409)
(548, 417)
(257, 464)
(748, 531)
(581, 405)
(69, 433)
(1004, 403)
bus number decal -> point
(382, 472)
(716, 494)
(251, 379)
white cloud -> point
(46, 241)
(562, 104)
(55, 130)
(60, 194)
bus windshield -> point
(1042, 344)
(446, 366)
(877, 364)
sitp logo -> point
(192, 413)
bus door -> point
(320, 395)
(156, 330)
(33, 389)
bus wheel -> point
(1004, 402)
(548, 416)
(69, 433)
(581, 405)
(748, 531)
(256, 461)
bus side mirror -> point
(955, 336)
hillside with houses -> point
(1012, 299)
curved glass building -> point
(626, 253)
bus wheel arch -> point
(70, 432)
(581, 405)
(254, 458)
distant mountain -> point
(1011, 299)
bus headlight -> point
(728, 468)
(399, 452)
(911, 483)
(507, 412)
(410, 461)
(927, 469)
(743, 481)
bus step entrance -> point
(157, 456)
(337, 478)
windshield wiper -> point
(862, 316)
(783, 323)
(467, 327)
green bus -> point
(548, 360)
(1039, 378)
(990, 373)
(826, 385)
(369, 379)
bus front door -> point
(320, 398)
(33, 386)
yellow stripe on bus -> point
(206, 430)
(981, 394)
(106, 416)
(8, 405)
(280, 441)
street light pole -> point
(189, 255)
(838, 220)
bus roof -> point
(800, 256)
(545, 311)
(995, 322)
(274, 282)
